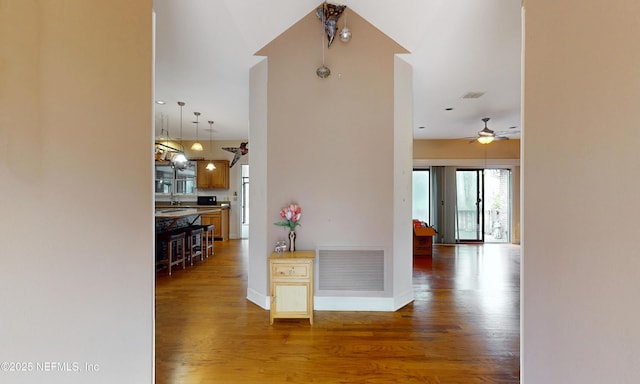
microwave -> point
(207, 200)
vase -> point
(292, 241)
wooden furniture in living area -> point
(291, 276)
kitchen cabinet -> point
(291, 285)
(220, 222)
(215, 179)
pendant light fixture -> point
(345, 33)
(323, 72)
(197, 146)
(180, 160)
(210, 166)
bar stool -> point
(194, 243)
(170, 240)
(207, 239)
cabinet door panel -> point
(291, 298)
(215, 179)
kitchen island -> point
(174, 220)
(178, 216)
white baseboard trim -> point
(332, 303)
(379, 304)
(258, 299)
(403, 299)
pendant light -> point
(323, 72)
(197, 146)
(211, 166)
(345, 33)
(180, 161)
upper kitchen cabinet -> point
(215, 179)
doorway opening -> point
(244, 201)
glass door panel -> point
(421, 197)
(497, 210)
(469, 205)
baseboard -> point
(332, 303)
(258, 299)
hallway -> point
(463, 326)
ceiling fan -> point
(486, 135)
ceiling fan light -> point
(197, 146)
(210, 166)
(485, 139)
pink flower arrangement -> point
(291, 216)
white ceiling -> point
(204, 49)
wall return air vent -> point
(353, 270)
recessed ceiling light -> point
(514, 127)
(420, 127)
(160, 102)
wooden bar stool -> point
(171, 240)
(194, 243)
(207, 239)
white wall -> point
(76, 199)
(402, 184)
(330, 143)
(257, 282)
(580, 169)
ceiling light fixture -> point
(196, 145)
(210, 166)
(485, 139)
(180, 161)
(323, 72)
(486, 136)
(345, 33)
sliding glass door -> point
(469, 205)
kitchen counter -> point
(174, 211)
(166, 205)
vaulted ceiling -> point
(465, 55)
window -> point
(421, 195)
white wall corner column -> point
(259, 249)
(402, 181)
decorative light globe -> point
(345, 35)
(323, 72)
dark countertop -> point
(166, 205)
(175, 211)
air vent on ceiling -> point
(473, 95)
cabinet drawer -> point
(291, 270)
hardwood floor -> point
(463, 326)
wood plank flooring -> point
(463, 326)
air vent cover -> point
(351, 270)
(473, 95)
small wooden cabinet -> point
(291, 285)
(220, 221)
(215, 179)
